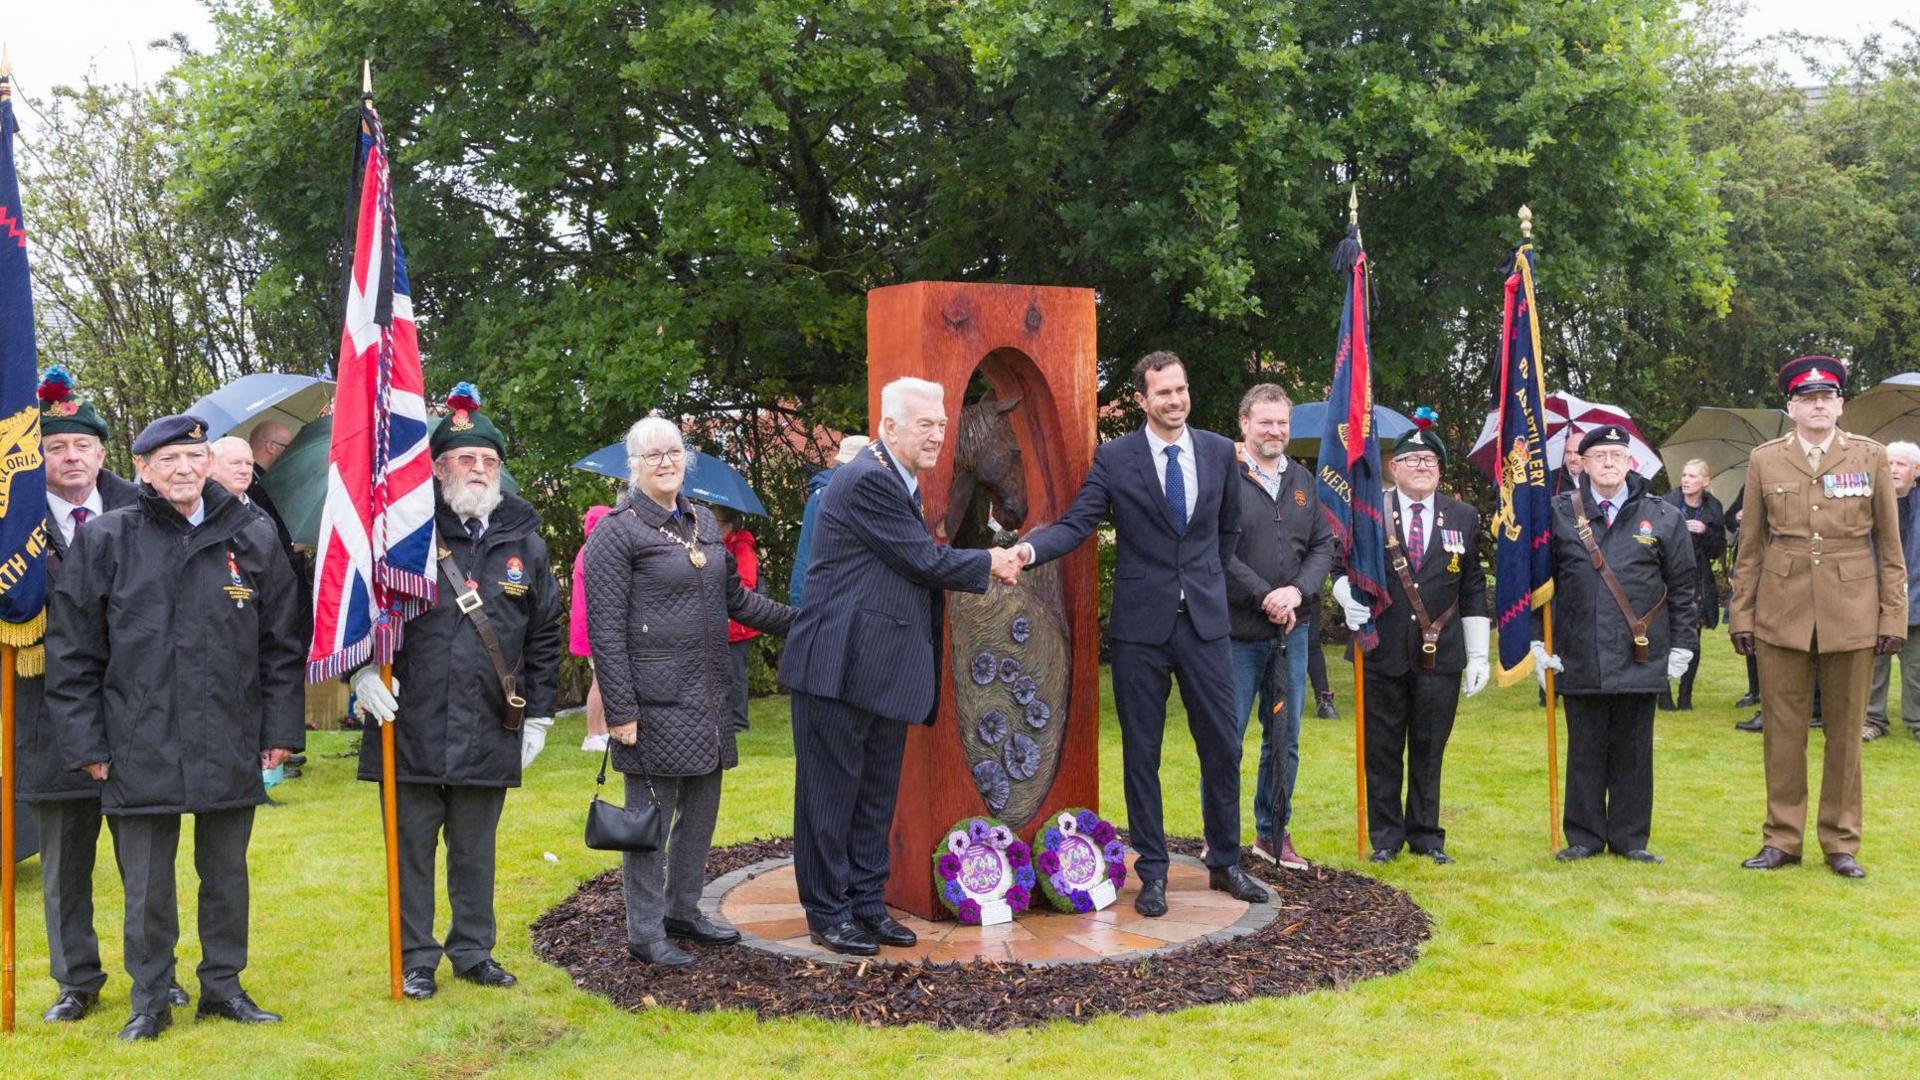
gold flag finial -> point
(6, 63)
(1526, 222)
(366, 79)
(1353, 204)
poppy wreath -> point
(980, 860)
(1078, 853)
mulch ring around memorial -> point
(1334, 928)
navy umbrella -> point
(709, 479)
(1310, 419)
(234, 409)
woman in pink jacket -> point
(596, 739)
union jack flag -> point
(375, 566)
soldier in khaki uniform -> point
(1820, 583)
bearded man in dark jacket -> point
(1620, 663)
(460, 742)
(173, 678)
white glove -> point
(1476, 629)
(371, 697)
(1356, 612)
(533, 738)
(1543, 662)
(1677, 662)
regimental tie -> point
(1606, 511)
(474, 529)
(1176, 490)
(1417, 538)
(81, 515)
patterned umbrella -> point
(1723, 438)
(1570, 417)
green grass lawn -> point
(1605, 968)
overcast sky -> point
(56, 41)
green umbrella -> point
(297, 483)
(1723, 438)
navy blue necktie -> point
(474, 529)
(1176, 490)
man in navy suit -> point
(862, 661)
(1176, 511)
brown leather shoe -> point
(1845, 865)
(1771, 858)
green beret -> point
(465, 425)
(61, 413)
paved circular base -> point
(761, 901)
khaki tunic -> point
(1815, 565)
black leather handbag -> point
(641, 828)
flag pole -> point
(1546, 643)
(389, 808)
(1359, 658)
(8, 810)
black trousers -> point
(1409, 719)
(1609, 771)
(69, 840)
(1142, 678)
(1693, 671)
(147, 845)
(846, 776)
(470, 817)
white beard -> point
(467, 502)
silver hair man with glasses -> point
(863, 662)
(472, 697)
(1903, 465)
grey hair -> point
(1903, 448)
(650, 430)
(895, 395)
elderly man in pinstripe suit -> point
(862, 661)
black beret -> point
(1810, 373)
(1608, 435)
(1418, 440)
(170, 431)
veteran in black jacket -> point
(1609, 682)
(459, 742)
(65, 802)
(1427, 652)
(173, 679)
(862, 660)
(1273, 595)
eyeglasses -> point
(1605, 457)
(657, 458)
(1416, 461)
(477, 461)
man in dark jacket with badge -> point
(173, 679)
(1625, 591)
(474, 680)
(1273, 594)
(66, 802)
(1433, 640)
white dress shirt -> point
(1188, 472)
(62, 511)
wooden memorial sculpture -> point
(1018, 731)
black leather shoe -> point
(71, 1005)
(888, 931)
(295, 760)
(1152, 901)
(239, 1008)
(1235, 883)
(845, 938)
(1439, 857)
(418, 984)
(1770, 858)
(1645, 856)
(1323, 707)
(660, 954)
(1747, 701)
(488, 973)
(177, 995)
(702, 931)
(1845, 865)
(1575, 852)
(1383, 856)
(146, 1025)
(1751, 723)
(290, 773)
